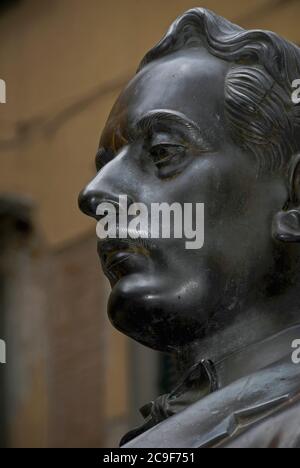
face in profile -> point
(163, 294)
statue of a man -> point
(210, 117)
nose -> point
(90, 198)
(107, 186)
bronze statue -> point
(210, 117)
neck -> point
(253, 326)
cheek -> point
(237, 211)
(225, 186)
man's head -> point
(209, 118)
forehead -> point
(190, 82)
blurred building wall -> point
(64, 62)
(23, 315)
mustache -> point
(123, 241)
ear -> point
(286, 224)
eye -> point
(166, 154)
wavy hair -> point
(258, 90)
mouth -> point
(120, 257)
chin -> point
(130, 309)
(143, 308)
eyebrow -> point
(167, 118)
(150, 121)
